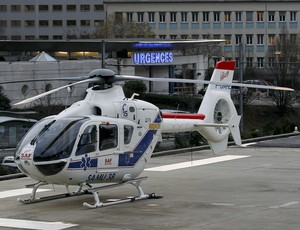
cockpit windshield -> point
(56, 140)
(53, 139)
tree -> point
(113, 28)
(4, 102)
(132, 87)
(284, 68)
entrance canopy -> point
(100, 45)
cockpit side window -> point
(88, 140)
(108, 136)
(128, 131)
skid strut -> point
(35, 187)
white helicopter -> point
(108, 138)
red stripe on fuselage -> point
(184, 116)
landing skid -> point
(92, 190)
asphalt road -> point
(255, 188)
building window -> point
(44, 37)
(162, 36)
(173, 16)
(140, 16)
(227, 16)
(85, 22)
(3, 23)
(119, 17)
(293, 38)
(238, 16)
(227, 39)
(43, 8)
(195, 17)
(271, 16)
(71, 7)
(249, 62)
(205, 16)
(71, 22)
(271, 38)
(29, 23)
(249, 39)
(162, 17)
(260, 39)
(260, 16)
(98, 23)
(260, 62)
(184, 36)
(29, 8)
(271, 62)
(282, 16)
(16, 37)
(57, 37)
(43, 23)
(16, 23)
(249, 16)
(57, 22)
(29, 37)
(15, 8)
(282, 38)
(85, 8)
(129, 16)
(195, 36)
(173, 36)
(216, 16)
(25, 89)
(57, 7)
(151, 16)
(183, 16)
(98, 7)
(3, 8)
(238, 39)
(293, 16)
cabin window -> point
(88, 141)
(128, 131)
(108, 136)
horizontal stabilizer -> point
(235, 129)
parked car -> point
(9, 162)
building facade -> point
(49, 19)
(257, 25)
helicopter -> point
(108, 138)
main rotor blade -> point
(54, 90)
(176, 80)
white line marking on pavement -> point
(188, 164)
(18, 192)
(35, 225)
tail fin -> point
(221, 117)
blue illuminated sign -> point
(150, 58)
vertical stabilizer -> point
(219, 109)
